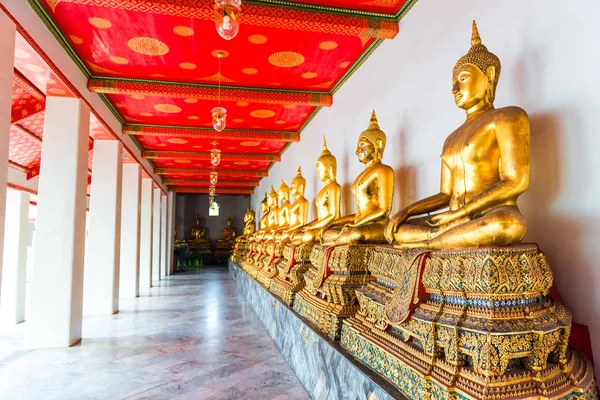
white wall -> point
(549, 60)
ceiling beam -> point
(294, 16)
(199, 133)
(208, 92)
(205, 156)
(202, 171)
(177, 189)
(221, 183)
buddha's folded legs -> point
(368, 233)
(501, 226)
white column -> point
(163, 237)
(130, 231)
(170, 230)
(7, 61)
(156, 235)
(12, 303)
(146, 237)
(57, 278)
(101, 283)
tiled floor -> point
(189, 338)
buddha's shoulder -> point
(508, 114)
(384, 168)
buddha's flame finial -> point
(475, 38)
(324, 143)
(373, 124)
(299, 173)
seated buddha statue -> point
(228, 232)
(283, 213)
(249, 225)
(298, 210)
(327, 201)
(271, 218)
(485, 167)
(373, 191)
(198, 232)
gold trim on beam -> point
(207, 171)
(205, 155)
(209, 133)
(223, 183)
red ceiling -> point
(277, 71)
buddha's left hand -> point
(444, 218)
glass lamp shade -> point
(219, 118)
(226, 18)
(215, 157)
(211, 199)
(211, 191)
(214, 177)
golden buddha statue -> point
(283, 213)
(271, 218)
(228, 232)
(249, 226)
(485, 167)
(198, 232)
(264, 208)
(327, 201)
(373, 194)
(298, 210)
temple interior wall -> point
(546, 68)
(190, 205)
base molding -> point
(326, 370)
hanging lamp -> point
(215, 154)
(214, 175)
(226, 18)
(219, 114)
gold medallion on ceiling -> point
(242, 103)
(182, 161)
(262, 113)
(146, 114)
(191, 100)
(76, 39)
(308, 75)
(249, 71)
(187, 65)
(56, 91)
(241, 163)
(137, 96)
(183, 31)
(177, 141)
(249, 144)
(148, 46)
(257, 39)
(328, 45)
(100, 23)
(167, 108)
(119, 60)
(286, 59)
(344, 64)
(216, 53)
(33, 68)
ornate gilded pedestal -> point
(269, 270)
(329, 295)
(255, 252)
(240, 250)
(468, 323)
(291, 268)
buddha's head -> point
(475, 75)
(326, 164)
(264, 204)
(272, 198)
(298, 184)
(251, 215)
(283, 192)
(371, 143)
(229, 220)
(198, 220)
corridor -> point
(191, 337)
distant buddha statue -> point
(485, 167)
(327, 201)
(271, 218)
(373, 194)
(198, 232)
(264, 208)
(283, 211)
(298, 210)
(228, 232)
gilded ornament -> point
(148, 46)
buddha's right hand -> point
(392, 227)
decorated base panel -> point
(329, 293)
(292, 266)
(269, 270)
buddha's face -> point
(264, 206)
(272, 200)
(283, 195)
(469, 86)
(297, 189)
(322, 172)
(365, 151)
